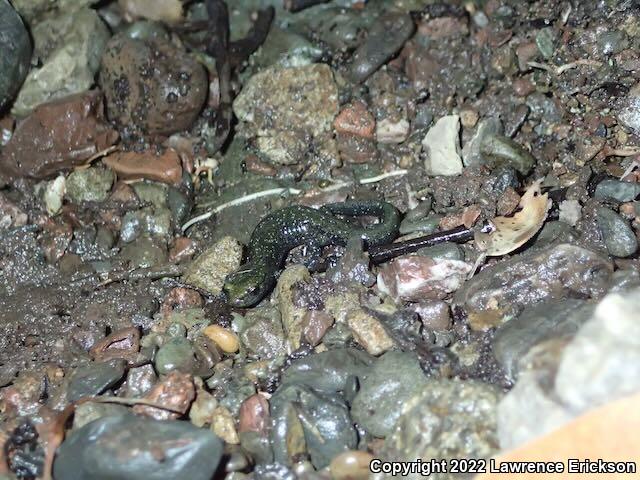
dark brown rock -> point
(152, 86)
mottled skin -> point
(289, 227)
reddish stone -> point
(355, 119)
(165, 167)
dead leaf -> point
(513, 232)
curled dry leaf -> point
(513, 232)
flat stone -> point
(393, 379)
(209, 270)
(618, 236)
(129, 447)
(75, 41)
(441, 146)
(304, 98)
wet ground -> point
(141, 142)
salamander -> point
(281, 231)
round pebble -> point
(351, 465)
(225, 339)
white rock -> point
(53, 193)
(392, 132)
(441, 146)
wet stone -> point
(130, 447)
(560, 318)
(617, 190)
(262, 333)
(143, 253)
(209, 270)
(151, 85)
(617, 235)
(394, 378)
(16, 47)
(270, 100)
(329, 371)
(327, 430)
(500, 151)
(89, 185)
(553, 272)
(95, 378)
(73, 43)
(57, 136)
(386, 37)
(176, 354)
(447, 419)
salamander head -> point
(247, 286)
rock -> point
(500, 151)
(94, 378)
(224, 338)
(223, 425)
(434, 314)
(329, 371)
(488, 127)
(447, 419)
(355, 119)
(414, 278)
(629, 111)
(389, 131)
(327, 430)
(284, 147)
(140, 380)
(53, 194)
(554, 272)
(617, 190)
(16, 57)
(393, 379)
(254, 415)
(129, 447)
(175, 392)
(443, 251)
(369, 332)
(169, 11)
(272, 100)
(386, 37)
(152, 86)
(292, 315)
(209, 270)
(560, 379)
(314, 325)
(165, 167)
(600, 364)
(556, 319)
(533, 393)
(441, 146)
(89, 185)
(177, 354)
(143, 253)
(617, 235)
(57, 136)
(262, 334)
(285, 48)
(88, 412)
(545, 41)
(570, 212)
(13, 216)
(351, 465)
(74, 42)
